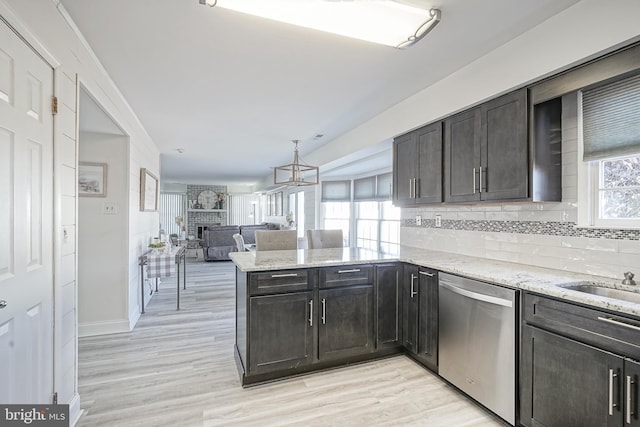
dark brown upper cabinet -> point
(417, 166)
(486, 151)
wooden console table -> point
(162, 266)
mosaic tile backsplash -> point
(549, 228)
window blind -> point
(383, 187)
(611, 119)
(364, 189)
(376, 187)
(336, 191)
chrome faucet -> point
(628, 279)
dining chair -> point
(274, 240)
(319, 239)
(239, 242)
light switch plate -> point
(418, 220)
(109, 208)
(438, 221)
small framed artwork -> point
(92, 179)
(148, 191)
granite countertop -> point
(536, 279)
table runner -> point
(161, 264)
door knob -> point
(3, 304)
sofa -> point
(218, 241)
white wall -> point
(103, 240)
(42, 23)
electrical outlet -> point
(418, 220)
(109, 208)
(438, 221)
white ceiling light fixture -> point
(297, 173)
(396, 23)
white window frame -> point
(595, 181)
(589, 186)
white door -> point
(26, 213)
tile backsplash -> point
(540, 234)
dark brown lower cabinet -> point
(346, 322)
(281, 331)
(421, 315)
(389, 315)
(566, 382)
(569, 382)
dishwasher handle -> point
(476, 295)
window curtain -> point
(611, 119)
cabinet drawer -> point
(610, 332)
(331, 277)
(279, 281)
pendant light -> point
(296, 174)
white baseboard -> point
(74, 410)
(102, 328)
(133, 318)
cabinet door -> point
(462, 156)
(428, 187)
(389, 306)
(566, 383)
(631, 388)
(281, 332)
(410, 306)
(346, 322)
(505, 160)
(428, 318)
(404, 169)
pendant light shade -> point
(296, 174)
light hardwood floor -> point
(176, 368)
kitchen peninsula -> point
(303, 310)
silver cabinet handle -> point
(411, 188)
(353, 270)
(474, 180)
(476, 295)
(424, 273)
(311, 313)
(612, 404)
(273, 276)
(480, 182)
(630, 399)
(619, 323)
(416, 188)
(3, 304)
(413, 293)
(324, 311)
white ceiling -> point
(232, 90)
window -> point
(296, 212)
(616, 193)
(337, 215)
(375, 221)
(610, 146)
(378, 226)
(171, 206)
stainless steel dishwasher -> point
(477, 341)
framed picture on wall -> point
(148, 191)
(92, 179)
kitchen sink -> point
(619, 294)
